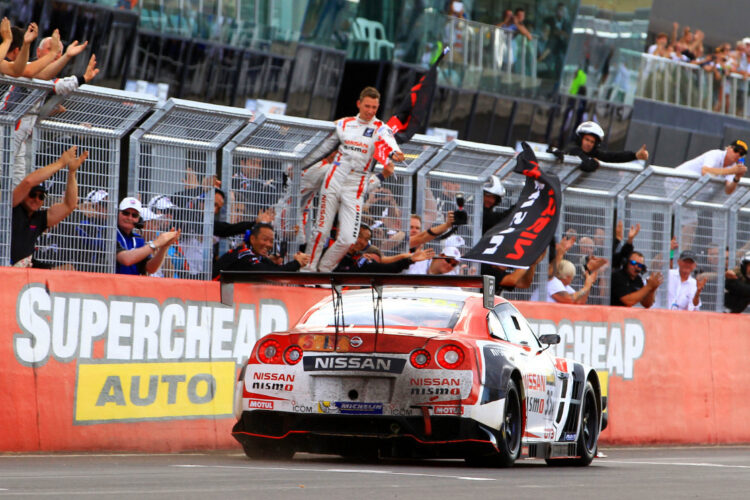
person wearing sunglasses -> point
(723, 162)
(628, 287)
(135, 255)
(29, 220)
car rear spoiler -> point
(375, 281)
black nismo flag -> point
(411, 116)
(524, 234)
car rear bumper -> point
(441, 436)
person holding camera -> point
(135, 256)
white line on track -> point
(340, 471)
(678, 464)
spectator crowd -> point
(355, 206)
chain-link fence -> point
(17, 101)
(261, 173)
(173, 158)
(95, 120)
(452, 182)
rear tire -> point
(510, 432)
(588, 432)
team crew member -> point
(134, 254)
(345, 181)
(257, 255)
(29, 221)
(589, 136)
(365, 258)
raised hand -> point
(77, 161)
(642, 154)
(302, 258)
(423, 254)
(619, 231)
(69, 155)
(91, 69)
(31, 33)
(5, 31)
(634, 230)
(75, 48)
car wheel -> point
(267, 451)
(510, 432)
(588, 432)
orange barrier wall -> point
(98, 362)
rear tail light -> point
(293, 354)
(420, 358)
(269, 352)
(450, 356)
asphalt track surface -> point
(625, 473)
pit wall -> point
(93, 362)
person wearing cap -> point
(737, 286)
(445, 263)
(684, 291)
(628, 288)
(135, 255)
(29, 220)
(724, 162)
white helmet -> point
(494, 186)
(592, 128)
(744, 261)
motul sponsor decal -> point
(260, 405)
(358, 363)
(448, 410)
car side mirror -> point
(550, 338)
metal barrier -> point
(460, 167)
(173, 159)
(261, 170)
(17, 100)
(95, 119)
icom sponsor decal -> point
(613, 347)
(108, 392)
(350, 408)
(358, 363)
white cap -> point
(746, 40)
(160, 202)
(454, 240)
(97, 195)
(131, 202)
(148, 215)
(451, 252)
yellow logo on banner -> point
(147, 391)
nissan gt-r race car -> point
(406, 371)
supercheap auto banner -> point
(522, 236)
(94, 362)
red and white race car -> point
(405, 371)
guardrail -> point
(182, 144)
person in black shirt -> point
(29, 221)
(628, 288)
(365, 258)
(589, 136)
(257, 255)
(737, 287)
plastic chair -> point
(370, 34)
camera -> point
(460, 217)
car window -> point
(397, 311)
(495, 326)
(515, 326)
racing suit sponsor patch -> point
(368, 132)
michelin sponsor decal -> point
(139, 359)
(612, 347)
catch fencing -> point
(173, 158)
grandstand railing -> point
(174, 155)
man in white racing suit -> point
(346, 179)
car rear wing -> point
(375, 281)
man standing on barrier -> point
(29, 220)
(360, 138)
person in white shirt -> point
(720, 162)
(684, 292)
(559, 289)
